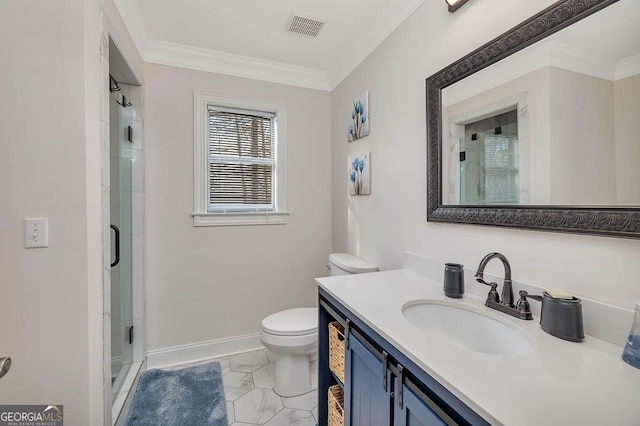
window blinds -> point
(241, 160)
(501, 170)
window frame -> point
(201, 215)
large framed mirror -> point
(537, 128)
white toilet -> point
(292, 335)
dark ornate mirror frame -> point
(598, 220)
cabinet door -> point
(367, 403)
(414, 412)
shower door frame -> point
(121, 311)
(115, 405)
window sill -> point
(240, 218)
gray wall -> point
(583, 169)
(208, 283)
(627, 105)
(43, 174)
(51, 166)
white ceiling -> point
(249, 38)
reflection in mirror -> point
(485, 164)
(553, 124)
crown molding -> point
(195, 58)
(132, 19)
(378, 31)
(628, 67)
(550, 53)
(190, 57)
(580, 61)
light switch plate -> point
(36, 232)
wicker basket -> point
(336, 349)
(336, 406)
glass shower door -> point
(121, 231)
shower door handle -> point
(117, 232)
(5, 365)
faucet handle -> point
(523, 306)
(482, 281)
(524, 294)
(493, 295)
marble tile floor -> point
(248, 386)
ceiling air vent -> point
(305, 25)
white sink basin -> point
(468, 327)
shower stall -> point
(123, 200)
(120, 156)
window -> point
(501, 168)
(489, 166)
(239, 155)
(240, 161)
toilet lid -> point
(352, 264)
(292, 322)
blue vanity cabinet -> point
(367, 387)
(382, 386)
(413, 411)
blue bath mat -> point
(190, 396)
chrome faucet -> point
(507, 289)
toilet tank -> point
(345, 264)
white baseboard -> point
(194, 352)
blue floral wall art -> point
(359, 124)
(360, 174)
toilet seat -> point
(292, 322)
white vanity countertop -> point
(559, 383)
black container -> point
(454, 280)
(561, 317)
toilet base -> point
(294, 352)
(293, 374)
